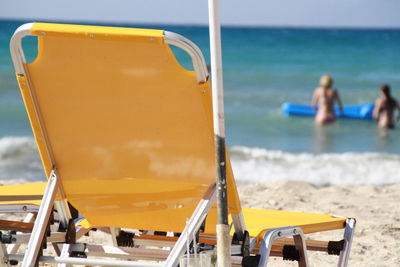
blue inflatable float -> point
(361, 111)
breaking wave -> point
(259, 165)
(19, 159)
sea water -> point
(263, 67)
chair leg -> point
(13, 248)
(64, 254)
(348, 239)
(239, 224)
(114, 233)
(56, 249)
(3, 256)
(270, 236)
(192, 226)
(63, 212)
(39, 229)
(302, 248)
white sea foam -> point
(19, 160)
(258, 165)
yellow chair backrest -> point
(128, 129)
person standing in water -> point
(324, 99)
(385, 107)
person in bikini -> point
(324, 99)
(385, 106)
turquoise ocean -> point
(263, 67)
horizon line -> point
(178, 24)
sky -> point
(293, 13)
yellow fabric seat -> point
(258, 221)
(22, 193)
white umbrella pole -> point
(223, 237)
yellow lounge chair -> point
(125, 135)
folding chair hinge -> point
(13, 262)
(70, 237)
(205, 247)
(290, 253)
(125, 239)
(77, 250)
(335, 247)
(251, 261)
(8, 262)
(202, 228)
(48, 231)
(244, 242)
(196, 239)
(7, 238)
(74, 212)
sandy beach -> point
(376, 208)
